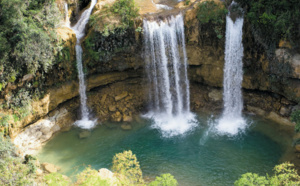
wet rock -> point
(256, 110)
(127, 118)
(117, 117)
(126, 127)
(50, 168)
(278, 119)
(215, 95)
(36, 134)
(66, 129)
(84, 134)
(297, 148)
(103, 99)
(112, 108)
(284, 111)
(121, 96)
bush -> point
(164, 180)
(56, 179)
(126, 10)
(32, 44)
(90, 177)
(12, 170)
(295, 117)
(284, 174)
(273, 20)
(126, 164)
(212, 15)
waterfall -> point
(166, 66)
(232, 121)
(79, 30)
(161, 6)
(67, 19)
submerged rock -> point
(84, 134)
(126, 126)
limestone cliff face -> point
(270, 84)
(114, 69)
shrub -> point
(12, 170)
(295, 117)
(164, 180)
(32, 44)
(126, 10)
(273, 20)
(212, 15)
(56, 179)
(126, 164)
(90, 177)
(284, 174)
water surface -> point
(196, 158)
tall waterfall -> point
(67, 19)
(79, 29)
(232, 121)
(166, 65)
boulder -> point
(215, 95)
(116, 117)
(281, 120)
(103, 99)
(112, 108)
(50, 168)
(121, 96)
(126, 127)
(84, 134)
(127, 118)
(105, 173)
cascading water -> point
(161, 6)
(79, 29)
(232, 121)
(67, 19)
(166, 64)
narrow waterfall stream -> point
(232, 121)
(79, 30)
(166, 65)
(67, 19)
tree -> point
(126, 164)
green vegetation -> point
(28, 46)
(12, 170)
(212, 15)
(120, 16)
(295, 117)
(164, 180)
(126, 172)
(90, 177)
(56, 179)
(28, 39)
(284, 174)
(126, 164)
(273, 20)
